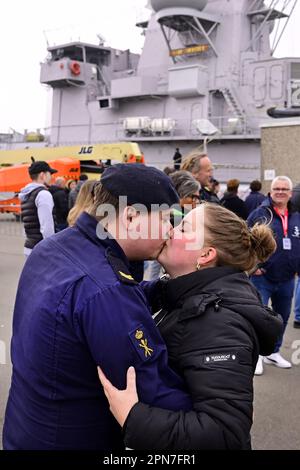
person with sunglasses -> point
(275, 279)
(187, 187)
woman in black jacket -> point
(214, 325)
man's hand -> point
(120, 401)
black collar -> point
(190, 284)
(290, 206)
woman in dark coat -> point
(232, 201)
(214, 325)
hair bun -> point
(262, 241)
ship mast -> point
(262, 12)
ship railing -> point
(233, 125)
(10, 224)
(188, 128)
(26, 136)
(152, 127)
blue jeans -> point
(297, 301)
(281, 295)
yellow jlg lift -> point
(69, 161)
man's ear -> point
(207, 256)
(128, 216)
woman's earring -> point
(198, 267)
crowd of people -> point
(275, 279)
(176, 355)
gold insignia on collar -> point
(139, 334)
(127, 276)
(144, 344)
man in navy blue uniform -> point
(77, 307)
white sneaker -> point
(277, 360)
(259, 370)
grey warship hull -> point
(206, 77)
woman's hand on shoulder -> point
(120, 401)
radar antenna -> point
(261, 12)
(101, 39)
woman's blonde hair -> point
(235, 243)
(84, 201)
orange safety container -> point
(10, 206)
(135, 159)
(14, 178)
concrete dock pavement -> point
(277, 409)
(277, 400)
(11, 264)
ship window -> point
(295, 70)
(74, 53)
(104, 103)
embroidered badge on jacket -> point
(141, 343)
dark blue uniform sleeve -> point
(150, 289)
(117, 326)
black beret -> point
(38, 167)
(140, 183)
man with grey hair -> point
(275, 279)
(201, 168)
